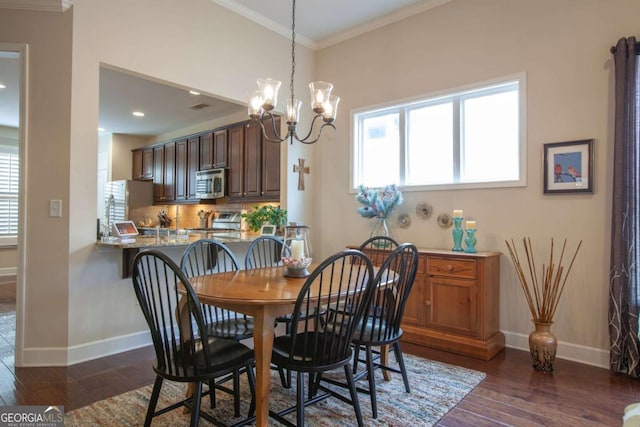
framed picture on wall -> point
(568, 167)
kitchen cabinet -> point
(182, 177)
(254, 164)
(142, 164)
(169, 171)
(193, 163)
(252, 160)
(270, 166)
(213, 150)
(235, 184)
(206, 151)
(158, 173)
(164, 170)
(454, 303)
(220, 150)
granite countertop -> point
(164, 241)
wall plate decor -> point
(424, 210)
(404, 221)
(568, 167)
(445, 220)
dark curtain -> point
(623, 277)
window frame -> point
(461, 92)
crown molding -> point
(37, 5)
(381, 22)
(265, 22)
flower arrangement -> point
(378, 203)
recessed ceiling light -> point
(2, 86)
(193, 92)
(100, 129)
(138, 113)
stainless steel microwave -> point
(210, 184)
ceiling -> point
(167, 106)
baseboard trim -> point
(573, 352)
(8, 275)
(45, 356)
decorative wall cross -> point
(301, 169)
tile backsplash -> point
(187, 214)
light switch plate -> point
(55, 208)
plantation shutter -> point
(9, 187)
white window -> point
(465, 138)
(9, 186)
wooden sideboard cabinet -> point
(454, 303)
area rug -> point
(435, 389)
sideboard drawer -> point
(463, 268)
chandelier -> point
(263, 100)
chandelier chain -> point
(293, 49)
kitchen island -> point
(130, 247)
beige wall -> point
(192, 44)
(77, 306)
(45, 271)
(563, 47)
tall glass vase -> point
(380, 228)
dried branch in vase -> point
(542, 295)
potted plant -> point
(266, 214)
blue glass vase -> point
(457, 234)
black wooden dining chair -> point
(316, 346)
(264, 251)
(378, 248)
(381, 327)
(184, 350)
(208, 256)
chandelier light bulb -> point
(320, 92)
(255, 104)
(269, 89)
(293, 111)
(330, 109)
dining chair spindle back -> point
(315, 345)
(184, 350)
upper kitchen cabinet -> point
(213, 150)
(164, 173)
(142, 164)
(182, 159)
(254, 164)
(271, 166)
(186, 167)
(193, 162)
(236, 162)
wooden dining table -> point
(264, 294)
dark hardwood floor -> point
(513, 393)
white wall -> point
(563, 47)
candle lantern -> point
(296, 256)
